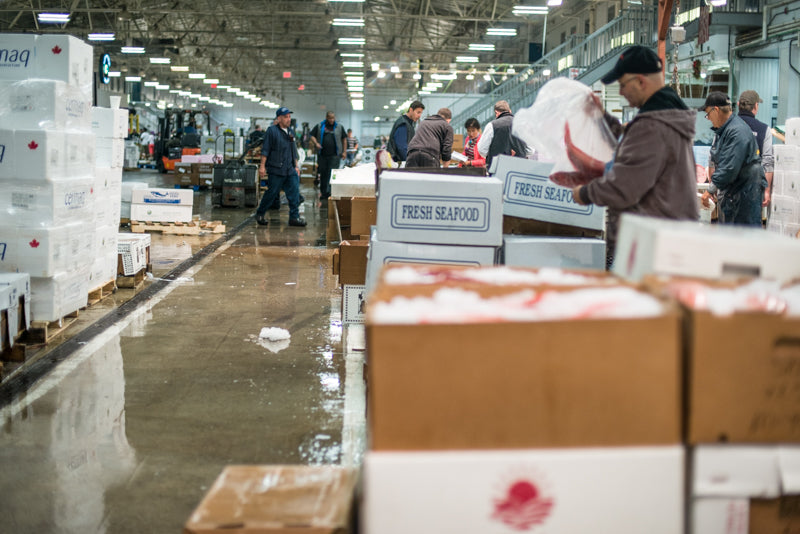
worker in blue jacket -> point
(279, 164)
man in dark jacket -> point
(329, 138)
(748, 109)
(497, 137)
(653, 171)
(279, 163)
(432, 142)
(403, 131)
(738, 178)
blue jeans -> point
(291, 186)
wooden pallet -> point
(178, 228)
(96, 295)
(40, 333)
(132, 281)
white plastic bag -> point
(566, 126)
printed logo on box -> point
(12, 58)
(461, 214)
(3, 248)
(354, 304)
(540, 192)
(522, 504)
(158, 197)
(2, 152)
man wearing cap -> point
(653, 171)
(738, 178)
(279, 163)
(748, 109)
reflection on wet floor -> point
(128, 432)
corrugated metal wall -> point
(760, 75)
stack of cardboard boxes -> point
(784, 217)
(47, 163)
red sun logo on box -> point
(34, 243)
(56, 49)
(522, 506)
(33, 145)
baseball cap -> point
(715, 99)
(282, 111)
(749, 98)
(634, 60)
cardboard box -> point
(647, 245)
(742, 490)
(747, 360)
(439, 209)
(386, 252)
(563, 252)
(167, 197)
(277, 499)
(363, 215)
(529, 193)
(354, 304)
(54, 297)
(458, 142)
(353, 262)
(493, 385)
(558, 491)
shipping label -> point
(531, 190)
(420, 212)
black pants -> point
(421, 159)
(326, 165)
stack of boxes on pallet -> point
(162, 205)
(47, 166)
(15, 307)
(110, 126)
(784, 217)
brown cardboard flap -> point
(775, 516)
(353, 262)
(335, 262)
(364, 213)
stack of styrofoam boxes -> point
(784, 215)
(127, 197)
(563, 234)
(109, 127)
(162, 205)
(435, 219)
(478, 423)
(47, 169)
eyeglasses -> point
(626, 82)
(709, 112)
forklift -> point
(179, 134)
(235, 183)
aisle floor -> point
(128, 432)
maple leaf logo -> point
(33, 145)
(34, 243)
(56, 49)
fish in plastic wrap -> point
(565, 124)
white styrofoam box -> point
(46, 104)
(528, 193)
(66, 58)
(622, 490)
(61, 294)
(105, 240)
(112, 215)
(111, 123)
(132, 249)
(791, 230)
(111, 261)
(793, 131)
(545, 251)
(209, 158)
(647, 245)
(37, 155)
(774, 226)
(44, 251)
(8, 305)
(382, 253)
(717, 515)
(161, 213)
(787, 157)
(351, 182)
(7, 154)
(131, 158)
(129, 187)
(108, 179)
(80, 153)
(20, 284)
(791, 184)
(778, 179)
(173, 197)
(17, 56)
(440, 209)
(354, 299)
(109, 152)
(97, 273)
(33, 204)
(785, 209)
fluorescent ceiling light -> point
(481, 47)
(204, 98)
(417, 76)
(54, 18)
(393, 102)
(511, 70)
(233, 89)
(470, 77)
(162, 87)
(718, 3)
(160, 60)
(353, 64)
(196, 76)
(150, 84)
(354, 78)
(437, 85)
(437, 76)
(211, 81)
(352, 54)
(395, 69)
(424, 92)
(101, 36)
(356, 95)
(381, 74)
(347, 22)
(179, 68)
(353, 1)
(133, 50)
(114, 74)
(194, 95)
(223, 86)
(354, 73)
(546, 72)
(554, 3)
(529, 10)
(352, 40)
(467, 59)
(487, 77)
(509, 32)
(133, 78)
(358, 104)
(375, 66)
(174, 91)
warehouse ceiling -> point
(253, 44)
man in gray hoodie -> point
(653, 171)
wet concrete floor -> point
(128, 431)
